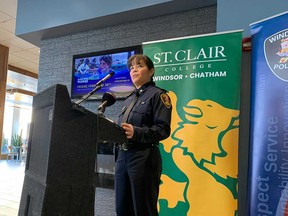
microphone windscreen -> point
(112, 73)
(109, 97)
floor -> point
(11, 181)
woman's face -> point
(140, 73)
(104, 66)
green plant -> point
(16, 141)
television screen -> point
(90, 68)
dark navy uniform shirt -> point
(151, 115)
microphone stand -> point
(76, 105)
(98, 86)
(101, 108)
(101, 113)
(85, 97)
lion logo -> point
(204, 149)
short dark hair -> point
(107, 59)
(138, 58)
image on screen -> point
(90, 68)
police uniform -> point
(139, 164)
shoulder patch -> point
(166, 100)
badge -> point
(276, 54)
(166, 100)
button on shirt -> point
(150, 116)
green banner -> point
(200, 158)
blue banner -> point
(269, 118)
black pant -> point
(137, 179)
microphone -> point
(108, 99)
(105, 78)
(98, 86)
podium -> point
(61, 160)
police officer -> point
(145, 118)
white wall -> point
(235, 14)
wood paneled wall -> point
(4, 52)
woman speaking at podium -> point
(145, 119)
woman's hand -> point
(129, 130)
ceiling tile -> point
(19, 49)
(35, 50)
(28, 65)
(25, 55)
(21, 43)
(5, 35)
(36, 61)
(9, 25)
(9, 7)
(12, 59)
(7, 43)
(12, 48)
(4, 17)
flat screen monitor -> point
(90, 68)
